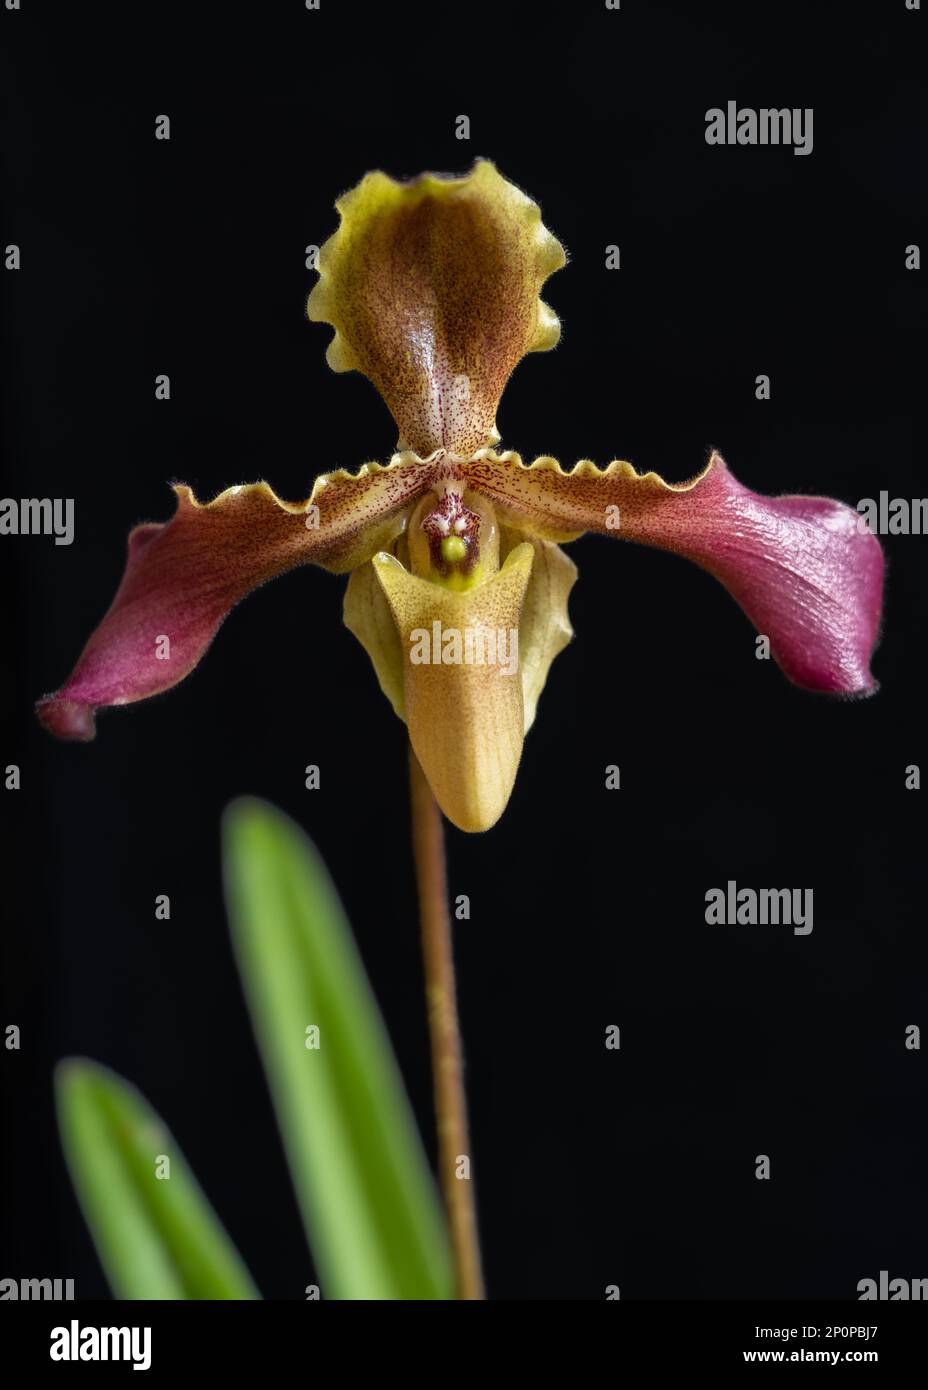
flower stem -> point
(428, 843)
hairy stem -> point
(428, 844)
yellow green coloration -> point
(453, 548)
(433, 290)
(458, 587)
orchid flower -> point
(433, 287)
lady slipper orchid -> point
(458, 584)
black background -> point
(187, 257)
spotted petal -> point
(182, 577)
(462, 688)
(803, 569)
(432, 288)
(544, 627)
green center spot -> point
(453, 549)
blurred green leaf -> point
(156, 1237)
(369, 1203)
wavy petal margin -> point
(183, 576)
(804, 571)
(432, 288)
